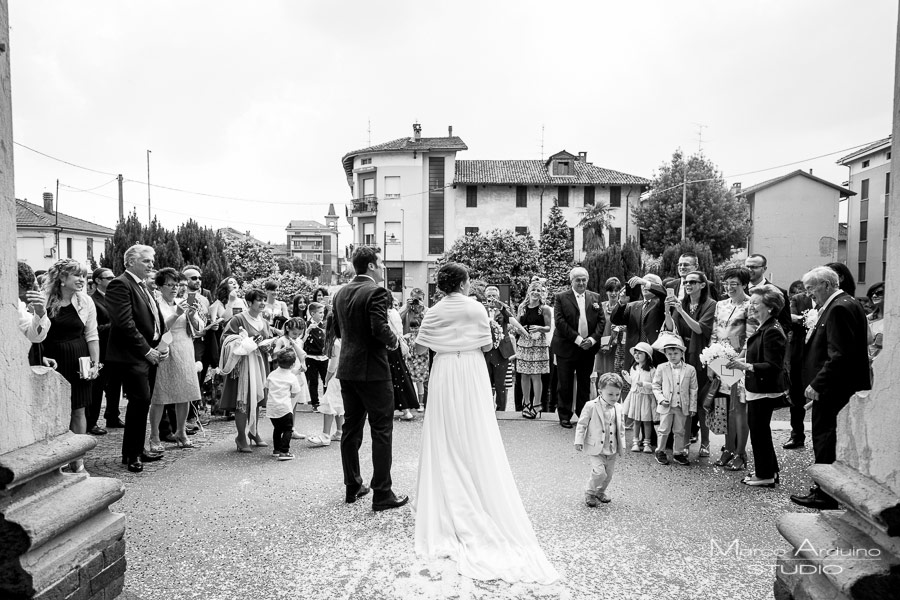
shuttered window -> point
(562, 196)
(521, 196)
(436, 205)
(615, 196)
(471, 196)
(589, 193)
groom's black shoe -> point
(351, 497)
(567, 424)
(394, 502)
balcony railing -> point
(366, 204)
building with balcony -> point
(867, 212)
(43, 236)
(311, 240)
(794, 223)
(412, 197)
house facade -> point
(311, 240)
(414, 198)
(867, 212)
(794, 223)
(43, 236)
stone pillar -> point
(58, 538)
(855, 553)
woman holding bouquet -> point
(764, 380)
(533, 350)
(693, 320)
(732, 327)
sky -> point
(251, 105)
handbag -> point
(717, 418)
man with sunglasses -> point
(101, 278)
(203, 350)
(687, 262)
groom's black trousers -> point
(375, 399)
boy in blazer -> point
(601, 434)
(675, 387)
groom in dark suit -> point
(136, 328)
(579, 320)
(361, 322)
(835, 366)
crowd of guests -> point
(165, 342)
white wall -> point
(33, 246)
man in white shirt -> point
(33, 320)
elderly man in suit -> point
(579, 321)
(642, 318)
(136, 328)
(361, 322)
(835, 366)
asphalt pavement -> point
(212, 523)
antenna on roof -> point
(370, 132)
(700, 127)
(542, 141)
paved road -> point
(214, 524)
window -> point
(391, 187)
(615, 236)
(471, 196)
(884, 266)
(884, 250)
(589, 193)
(864, 190)
(394, 279)
(615, 196)
(90, 249)
(888, 155)
(369, 234)
(436, 205)
(863, 231)
(887, 184)
(865, 164)
(864, 210)
(562, 197)
(863, 249)
(521, 231)
(368, 187)
(521, 196)
(562, 168)
(365, 161)
(68, 247)
(570, 246)
(861, 273)
(471, 230)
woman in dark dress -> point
(72, 336)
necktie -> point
(582, 317)
(644, 310)
(153, 309)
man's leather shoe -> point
(395, 502)
(151, 456)
(566, 424)
(97, 430)
(793, 444)
(117, 424)
(134, 464)
(351, 497)
(815, 499)
(168, 438)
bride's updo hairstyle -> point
(450, 276)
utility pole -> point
(149, 216)
(684, 202)
(121, 200)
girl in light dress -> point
(294, 328)
(640, 405)
(331, 404)
(417, 363)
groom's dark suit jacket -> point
(360, 320)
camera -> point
(414, 302)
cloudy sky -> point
(257, 101)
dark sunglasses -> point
(692, 282)
(105, 278)
(195, 278)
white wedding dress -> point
(467, 505)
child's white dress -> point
(640, 404)
(332, 402)
(297, 347)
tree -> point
(557, 250)
(249, 260)
(669, 260)
(289, 285)
(603, 264)
(128, 233)
(714, 216)
(497, 256)
(294, 264)
(204, 247)
(315, 269)
(595, 221)
(167, 251)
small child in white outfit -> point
(283, 390)
(292, 339)
(601, 434)
(675, 388)
(332, 402)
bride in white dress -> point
(466, 504)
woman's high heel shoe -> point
(725, 458)
(184, 444)
(738, 463)
(241, 448)
(257, 440)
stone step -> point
(801, 579)
(874, 502)
(24, 464)
(849, 559)
(28, 525)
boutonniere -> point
(596, 305)
(810, 319)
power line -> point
(74, 189)
(65, 162)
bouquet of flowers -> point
(810, 318)
(496, 333)
(717, 350)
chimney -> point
(48, 203)
(450, 131)
(810, 171)
(417, 132)
(736, 188)
(582, 156)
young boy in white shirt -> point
(601, 434)
(283, 393)
(675, 387)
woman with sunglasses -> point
(876, 318)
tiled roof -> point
(863, 151)
(406, 144)
(799, 172)
(33, 216)
(306, 225)
(533, 172)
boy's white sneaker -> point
(297, 436)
